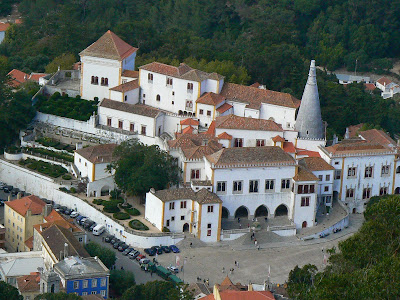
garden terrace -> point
(49, 153)
(49, 142)
(42, 167)
(64, 106)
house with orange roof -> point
(19, 217)
(3, 28)
(388, 87)
(18, 77)
(29, 285)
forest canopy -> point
(267, 41)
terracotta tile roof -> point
(254, 96)
(4, 26)
(189, 121)
(228, 284)
(250, 156)
(304, 175)
(36, 76)
(53, 216)
(137, 109)
(377, 136)
(278, 138)
(352, 146)
(99, 153)
(308, 153)
(188, 130)
(183, 72)
(224, 107)
(126, 87)
(32, 203)
(353, 129)
(130, 73)
(17, 77)
(243, 123)
(202, 197)
(224, 136)
(211, 129)
(255, 84)
(29, 243)
(56, 236)
(192, 140)
(29, 283)
(201, 182)
(315, 164)
(18, 21)
(109, 46)
(210, 99)
(384, 81)
(369, 86)
(289, 147)
(199, 152)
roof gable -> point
(244, 123)
(109, 46)
(32, 203)
(210, 98)
(315, 164)
(99, 153)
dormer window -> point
(169, 81)
(150, 78)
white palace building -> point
(245, 151)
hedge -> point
(44, 167)
(132, 211)
(110, 207)
(98, 201)
(67, 177)
(166, 229)
(49, 142)
(136, 224)
(121, 216)
(52, 153)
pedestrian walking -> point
(255, 242)
(258, 247)
(223, 269)
(235, 262)
(208, 282)
(191, 244)
(240, 226)
(182, 269)
(238, 220)
(237, 265)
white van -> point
(98, 229)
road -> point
(124, 261)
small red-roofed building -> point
(189, 125)
(388, 87)
(29, 285)
(19, 217)
(3, 29)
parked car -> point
(1, 202)
(63, 209)
(108, 238)
(140, 256)
(8, 188)
(79, 218)
(117, 244)
(166, 249)
(92, 226)
(67, 211)
(88, 223)
(15, 191)
(144, 261)
(2, 185)
(150, 251)
(127, 251)
(82, 221)
(174, 249)
(114, 240)
(74, 214)
(157, 249)
(56, 206)
(173, 269)
(133, 254)
(122, 247)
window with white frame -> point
(94, 282)
(237, 187)
(320, 177)
(210, 208)
(103, 293)
(253, 186)
(269, 185)
(238, 142)
(260, 143)
(305, 201)
(366, 193)
(171, 205)
(183, 204)
(209, 229)
(76, 285)
(150, 78)
(169, 81)
(190, 87)
(85, 284)
(327, 177)
(189, 105)
(368, 172)
(385, 170)
(351, 172)
(221, 186)
(383, 190)
(195, 174)
(350, 193)
(338, 174)
(285, 184)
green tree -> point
(8, 292)
(64, 61)
(158, 290)
(107, 256)
(58, 296)
(140, 167)
(367, 265)
(121, 280)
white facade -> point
(305, 204)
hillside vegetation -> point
(267, 41)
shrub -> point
(13, 150)
(110, 207)
(165, 229)
(64, 189)
(72, 190)
(132, 211)
(67, 177)
(136, 224)
(121, 216)
(98, 201)
(115, 194)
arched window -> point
(96, 80)
(102, 80)
(106, 81)
(158, 98)
(93, 80)
(190, 86)
(398, 170)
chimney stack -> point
(47, 210)
(65, 250)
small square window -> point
(182, 218)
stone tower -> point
(49, 282)
(309, 121)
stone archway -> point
(281, 210)
(225, 213)
(185, 227)
(304, 224)
(261, 211)
(105, 190)
(242, 212)
(397, 190)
